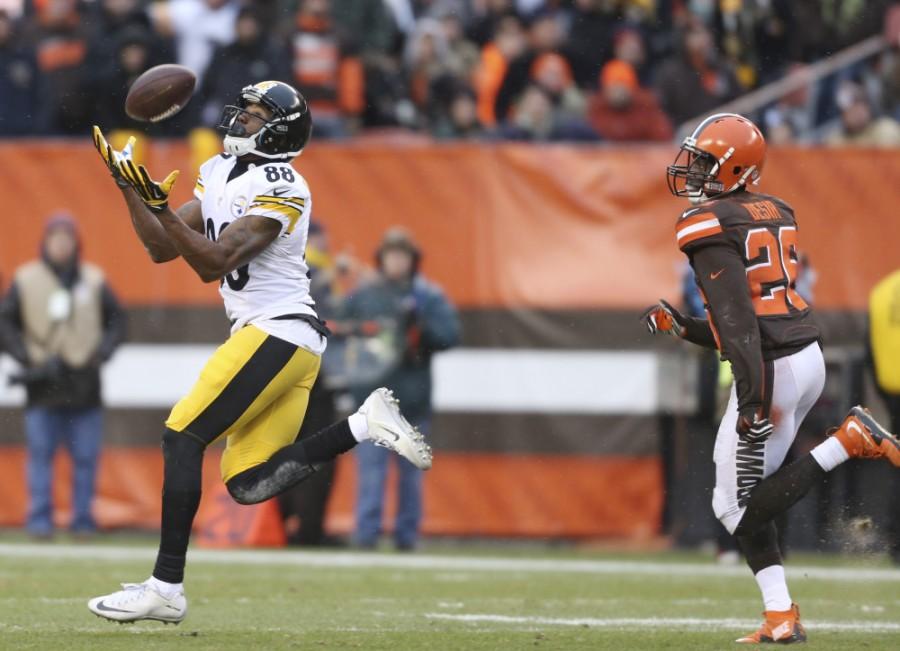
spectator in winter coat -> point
(415, 315)
(693, 82)
(61, 322)
(622, 111)
(252, 57)
(18, 82)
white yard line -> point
(659, 622)
(432, 562)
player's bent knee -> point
(265, 481)
(244, 487)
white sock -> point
(359, 427)
(774, 588)
(167, 590)
(830, 454)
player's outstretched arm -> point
(239, 242)
(151, 233)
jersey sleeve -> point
(697, 228)
(203, 173)
(284, 203)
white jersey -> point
(276, 281)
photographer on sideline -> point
(60, 321)
(400, 307)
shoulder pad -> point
(696, 224)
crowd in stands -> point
(531, 70)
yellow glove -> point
(154, 195)
(112, 158)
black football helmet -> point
(281, 138)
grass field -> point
(470, 599)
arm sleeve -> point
(724, 283)
(697, 331)
(113, 324)
(11, 338)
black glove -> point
(664, 318)
(51, 370)
(753, 427)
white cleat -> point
(389, 429)
(137, 601)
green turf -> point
(277, 606)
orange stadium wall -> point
(503, 226)
(509, 227)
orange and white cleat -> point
(864, 438)
(780, 627)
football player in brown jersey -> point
(742, 246)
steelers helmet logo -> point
(263, 86)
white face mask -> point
(237, 146)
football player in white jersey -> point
(246, 229)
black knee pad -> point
(241, 486)
(267, 480)
(183, 460)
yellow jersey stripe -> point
(280, 202)
(291, 212)
(268, 197)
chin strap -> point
(240, 146)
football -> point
(160, 93)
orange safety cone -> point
(223, 523)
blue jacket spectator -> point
(18, 82)
(401, 307)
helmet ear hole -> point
(736, 170)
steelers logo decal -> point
(239, 206)
(264, 86)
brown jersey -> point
(764, 231)
(743, 250)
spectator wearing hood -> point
(622, 111)
(253, 56)
(693, 81)
(593, 24)
(18, 82)
(59, 39)
(417, 318)
(61, 322)
(133, 53)
(107, 20)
